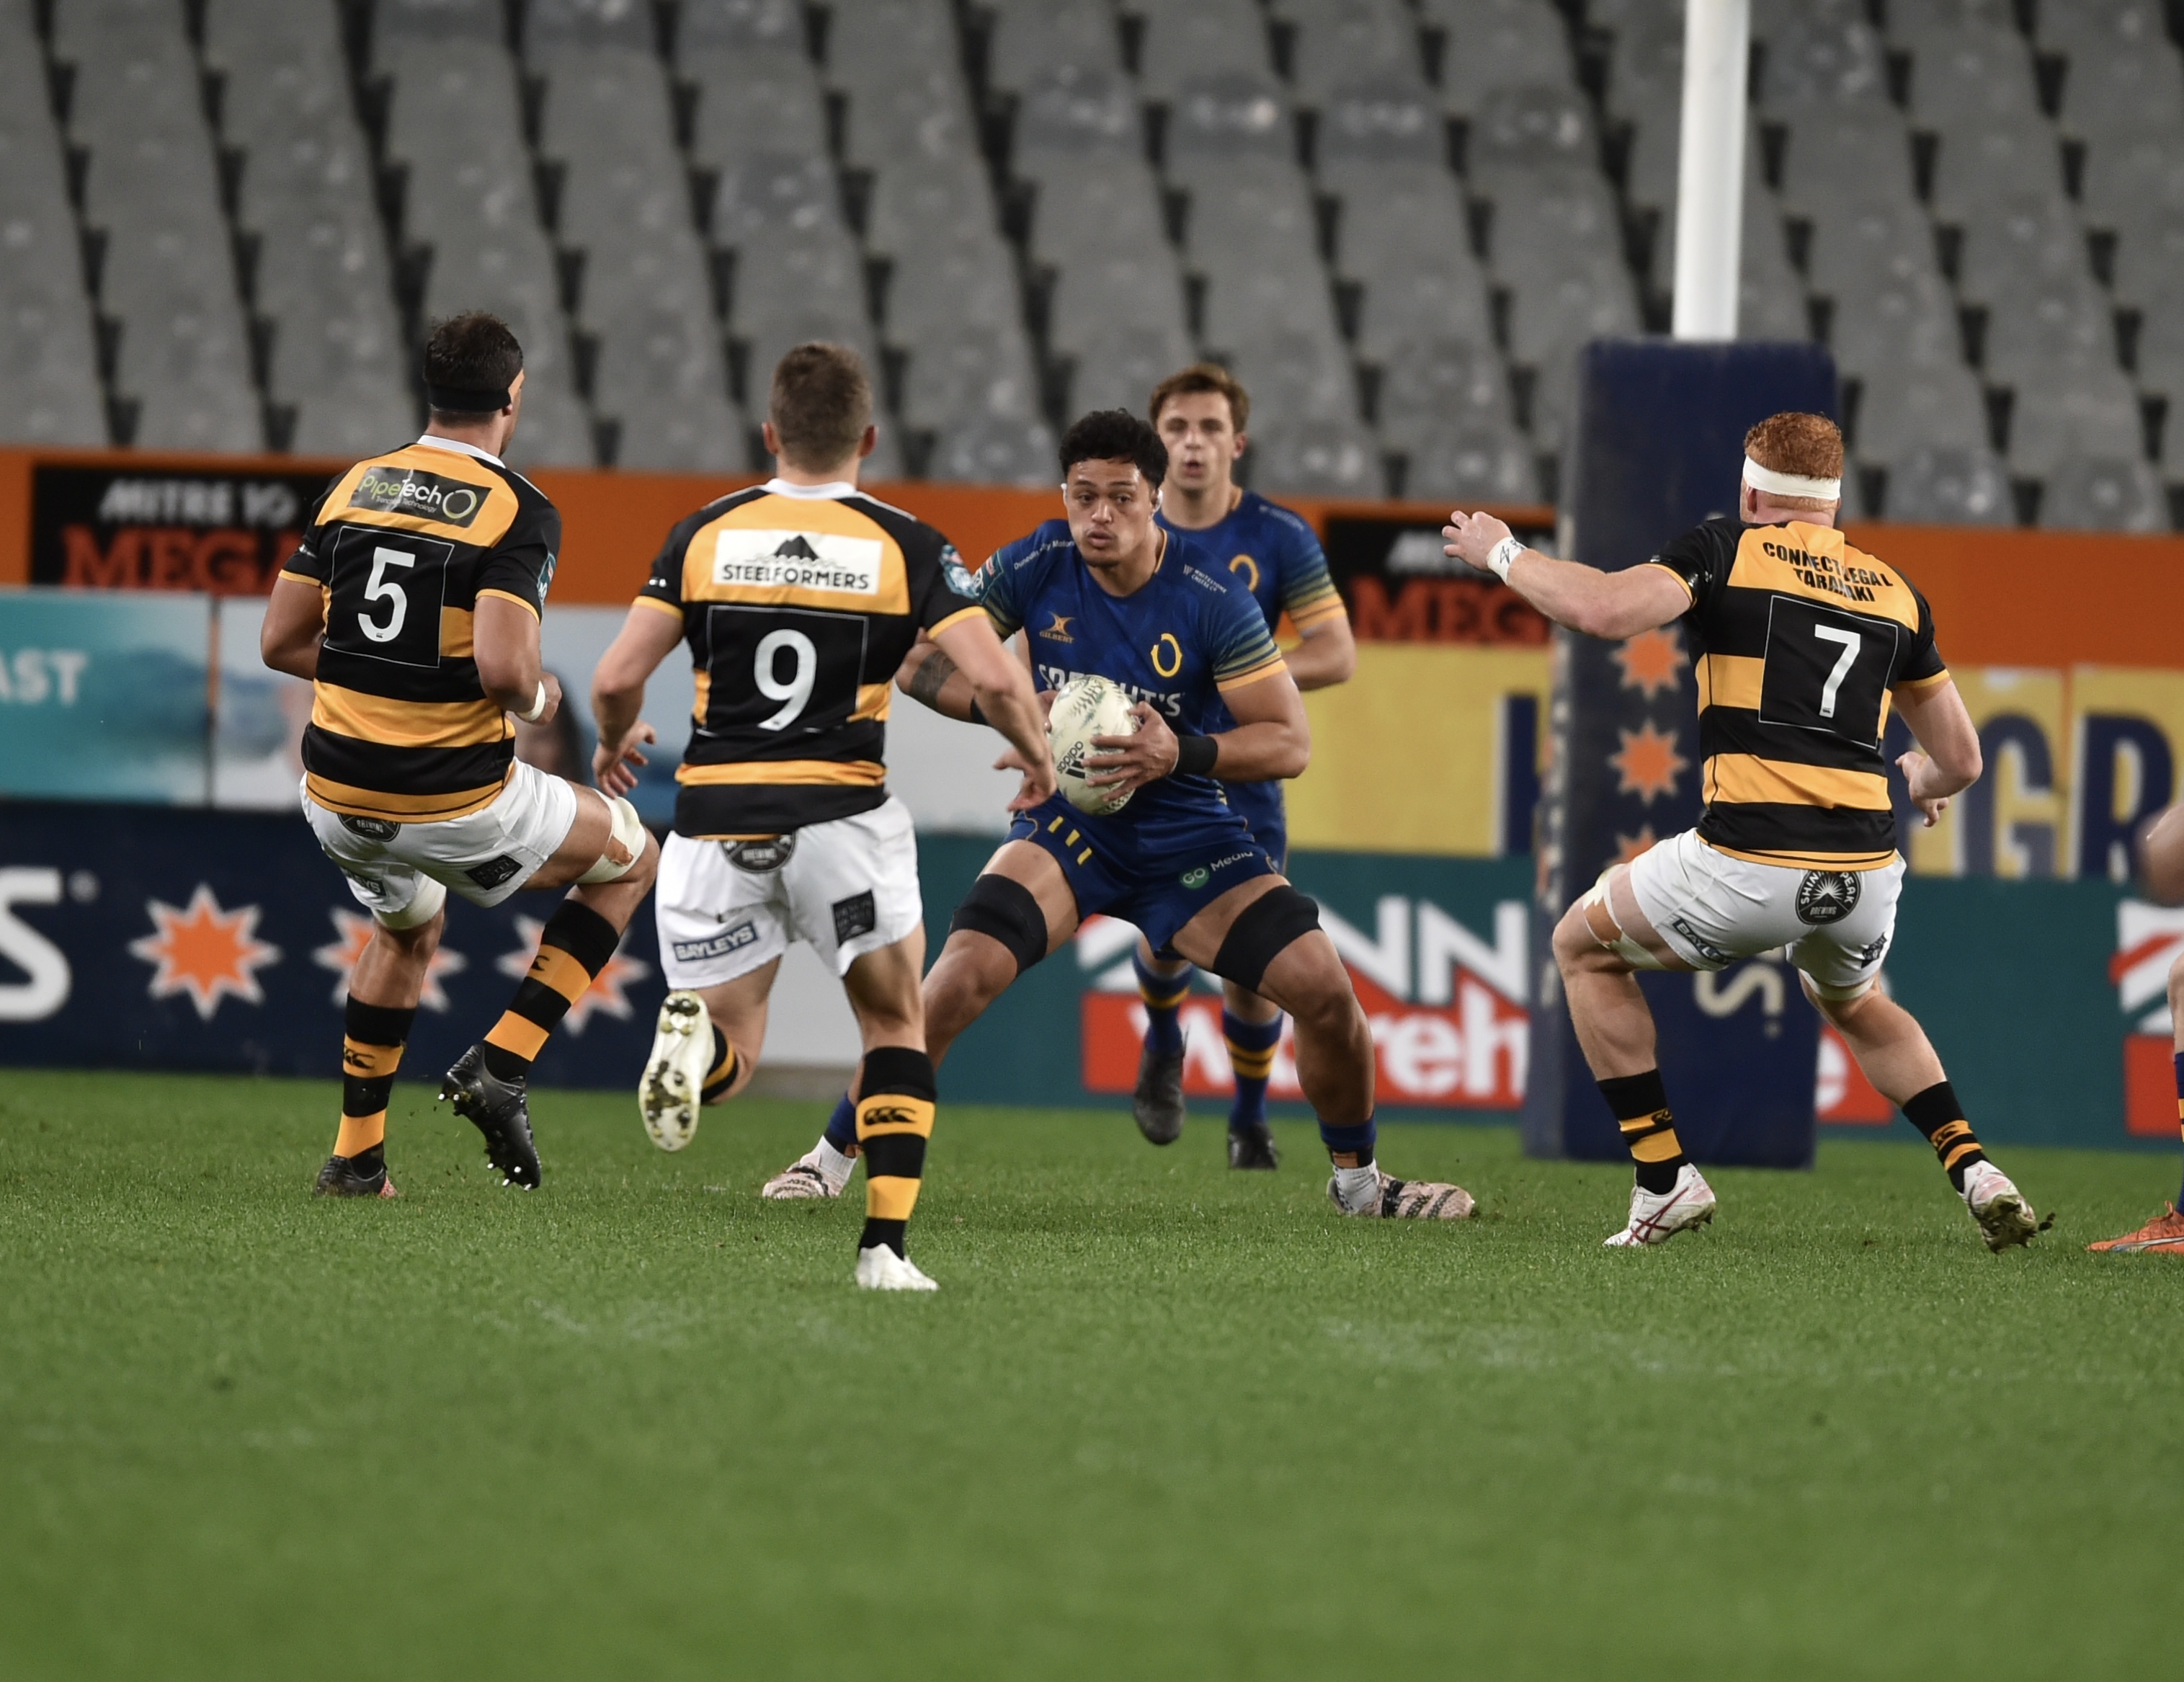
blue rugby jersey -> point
(1275, 555)
(1181, 640)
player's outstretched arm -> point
(618, 693)
(1001, 691)
(1950, 761)
(1610, 605)
(1271, 740)
(295, 625)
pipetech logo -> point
(449, 502)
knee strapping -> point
(628, 831)
(1622, 946)
(1263, 930)
(1004, 911)
(431, 897)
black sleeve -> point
(307, 562)
(941, 589)
(664, 583)
(1698, 560)
(1920, 661)
(522, 563)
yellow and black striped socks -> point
(722, 1074)
(2179, 1204)
(372, 1038)
(1936, 1113)
(575, 947)
(896, 1098)
(1163, 996)
(1639, 1104)
(1252, 1056)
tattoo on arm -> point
(926, 682)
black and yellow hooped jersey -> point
(798, 602)
(1799, 641)
(401, 548)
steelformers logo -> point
(797, 561)
(427, 495)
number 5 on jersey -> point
(387, 589)
(772, 670)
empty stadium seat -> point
(2102, 494)
(1317, 458)
(1949, 485)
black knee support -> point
(1005, 911)
(1266, 928)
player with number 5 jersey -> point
(1802, 645)
(413, 607)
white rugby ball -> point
(1085, 707)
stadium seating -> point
(1398, 220)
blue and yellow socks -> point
(1251, 1055)
(1163, 996)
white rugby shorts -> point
(484, 857)
(1712, 910)
(844, 888)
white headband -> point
(1789, 484)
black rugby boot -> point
(1157, 1104)
(1253, 1147)
(363, 1175)
(501, 1111)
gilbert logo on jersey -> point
(757, 559)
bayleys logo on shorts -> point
(716, 946)
(407, 491)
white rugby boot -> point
(880, 1269)
(812, 1177)
(1657, 1216)
(672, 1091)
(2004, 1216)
(1387, 1198)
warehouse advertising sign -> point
(138, 528)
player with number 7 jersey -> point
(1803, 644)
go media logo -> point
(1446, 1005)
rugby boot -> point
(1157, 1104)
(2004, 1216)
(880, 1269)
(1253, 1147)
(501, 1111)
(1657, 1216)
(2162, 1235)
(363, 1175)
(806, 1180)
(1395, 1200)
(673, 1088)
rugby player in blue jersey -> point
(1109, 592)
(1200, 415)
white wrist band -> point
(1504, 557)
(537, 705)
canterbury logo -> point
(355, 1059)
(891, 1117)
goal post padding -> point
(1657, 448)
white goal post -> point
(1710, 168)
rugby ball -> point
(1085, 707)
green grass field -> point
(1160, 1421)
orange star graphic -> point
(1652, 661)
(342, 956)
(1648, 763)
(604, 993)
(205, 952)
(1629, 847)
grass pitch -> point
(1161, 1420)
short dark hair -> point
(471, 354)
(1115, 435)
(820, 403)
(1204, 377)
